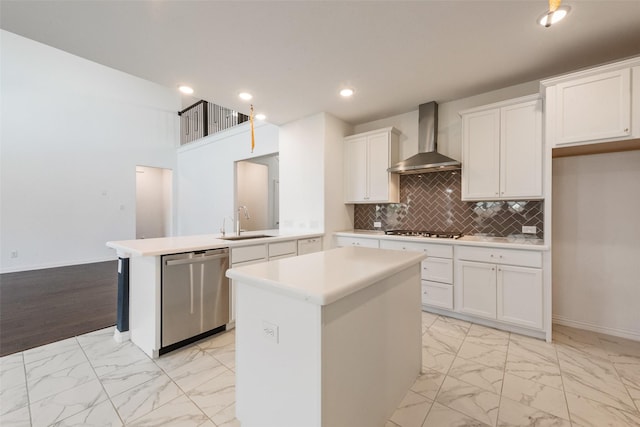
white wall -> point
(311, 176)
(206, 172)
(596, 242)
(72, 134)
(449, 122)
(252, 184)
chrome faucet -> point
(246, 215)
(223, 230)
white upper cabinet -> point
(367, 157)
(502, 150)
(597, 105)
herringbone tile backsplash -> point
(432, 202)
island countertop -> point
(325, 277)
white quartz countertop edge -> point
(302, 277)
(485, 241)
(179, 244)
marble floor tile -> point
(53, 363)
(593, 378)
(17, 418)
(59, 381)
(585, 342)
(56, 408)
(477, 374)
(215, 395)
(428, 319)
(120, 380)
(177, 358)
(534, 370)
(535, 395)
(13, 398)
(589, 413)
(179, 412)
(441, 416)
(226, 417)
(436, 360)
(483, 355)
(49, 350)
(630, 376)
(197, 371)
(428, 383)
(225, 354)
(534, 350)
(120, 357)
(488, 337)
(102, 414)
(412, 410)
(515, 414)
(472, 401)
(620, 350)
(450, 326)
(144, 398)
(220, 340)
(12, 372)
(439, 341)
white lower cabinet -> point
(437, 270)
(308, 246)
(342, 241)
(508, 289)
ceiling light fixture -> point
(260, 116)
(347, 92)
(556, 13)
(187, 90)
(245, 96)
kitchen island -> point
(327, 339)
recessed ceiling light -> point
(245, 95)
(185, 89)
(549, 18)
(346, 92)
(260, 116)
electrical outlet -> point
(14, 254)
(270, 331)
(377, 224)
(529, 229)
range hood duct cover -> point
(428, 159)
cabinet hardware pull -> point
(626, 129)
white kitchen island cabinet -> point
(327, 339)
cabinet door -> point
(594, 108)
(520, 295)
(437, 294)
(356, 170)
(307, 246)
(521, 150)
(378, 152)
(438, 270)
(476, 289)
(481, 155)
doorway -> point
(257, 188)
(153, 202)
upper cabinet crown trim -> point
(501, 104)
(389, 129)
(613, 66)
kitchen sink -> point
(247, 237)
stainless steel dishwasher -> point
(195, 296)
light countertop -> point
(515, 242)
(179, 244)
(325, 277)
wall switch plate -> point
(529, 229)
(270, 331)
(377, 224)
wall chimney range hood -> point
(428, 159)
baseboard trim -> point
(56, 265)
(622, 333)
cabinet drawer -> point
(500, 256)
(283, 248)
(273, 258)
(438, 270)
(431, 249)
(308, 246)
(437, 294)
(248, 253)
(356, 241)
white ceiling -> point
(295, 56)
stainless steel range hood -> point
(428, 159)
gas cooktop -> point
(423, 233)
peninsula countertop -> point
(179, 244)
(325, 277)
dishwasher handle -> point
(196, 259)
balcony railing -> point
(205, 118)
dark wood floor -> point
(42, 306)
